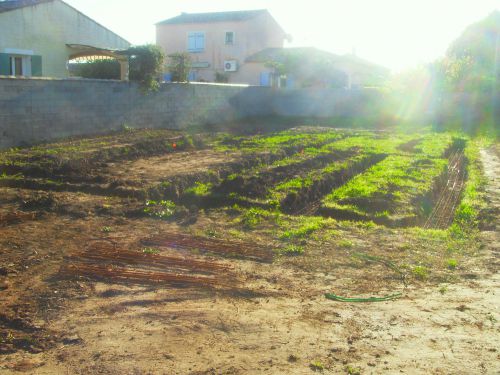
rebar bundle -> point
(219, 246)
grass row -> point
(276, 141)
(393, 186)
(108, 147)
(467, 214)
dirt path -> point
(491, 161)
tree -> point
(146, 65)
(179, 66)
(309, 66)
(480, 42)
(467, 80)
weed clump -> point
(150, 250)
(317, 366)
(420, 272)
(160, 209)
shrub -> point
(179, 66)
(221, 77)
(99, 69)
(146, 65)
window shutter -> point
(4, 64)
(36, 66)
(191, 42)
(264, 79)
(167, 77)
(200, 41)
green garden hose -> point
(369, 299)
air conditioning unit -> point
(230, 66)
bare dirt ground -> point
(256, 317)
(157, 169)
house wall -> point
(46, 28)
(249, 73)
(36, 110)
(251, 36)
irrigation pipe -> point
(390, 297)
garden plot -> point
(400, 190)
(77, 165)
(156, 164)
(297, 183)
(95, 272)
(80, 158)
(357, 175)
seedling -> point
(199, 189)
(317, 366)
(452, 264)
(293, 250)
(420, 272)
(345, 244)
(150, 250)
(162, 209)
(352, 370)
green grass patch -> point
(150, 250)
(200, 189)
(466, 218)
(252, 217)
(304, 227)
(391, 186)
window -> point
(20, 62)
(196, 42)
(20, 65)
(229, 37)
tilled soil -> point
(257, 317)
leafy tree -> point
(309, 66)
(467, 80)
(481, 43)
(459, 91)
(146, 64)
(179, 66)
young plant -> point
(163, 209)
(150, 250)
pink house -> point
(220, 44)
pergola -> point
(84, 51)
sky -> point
(398, 34)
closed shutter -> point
(192, 76)
(4, 64)
(200, 41)
(36, 66)
(167, 77)
(265, 79)
(192, 42)
(196, 42)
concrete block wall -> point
(38, 110)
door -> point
(16, 66)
